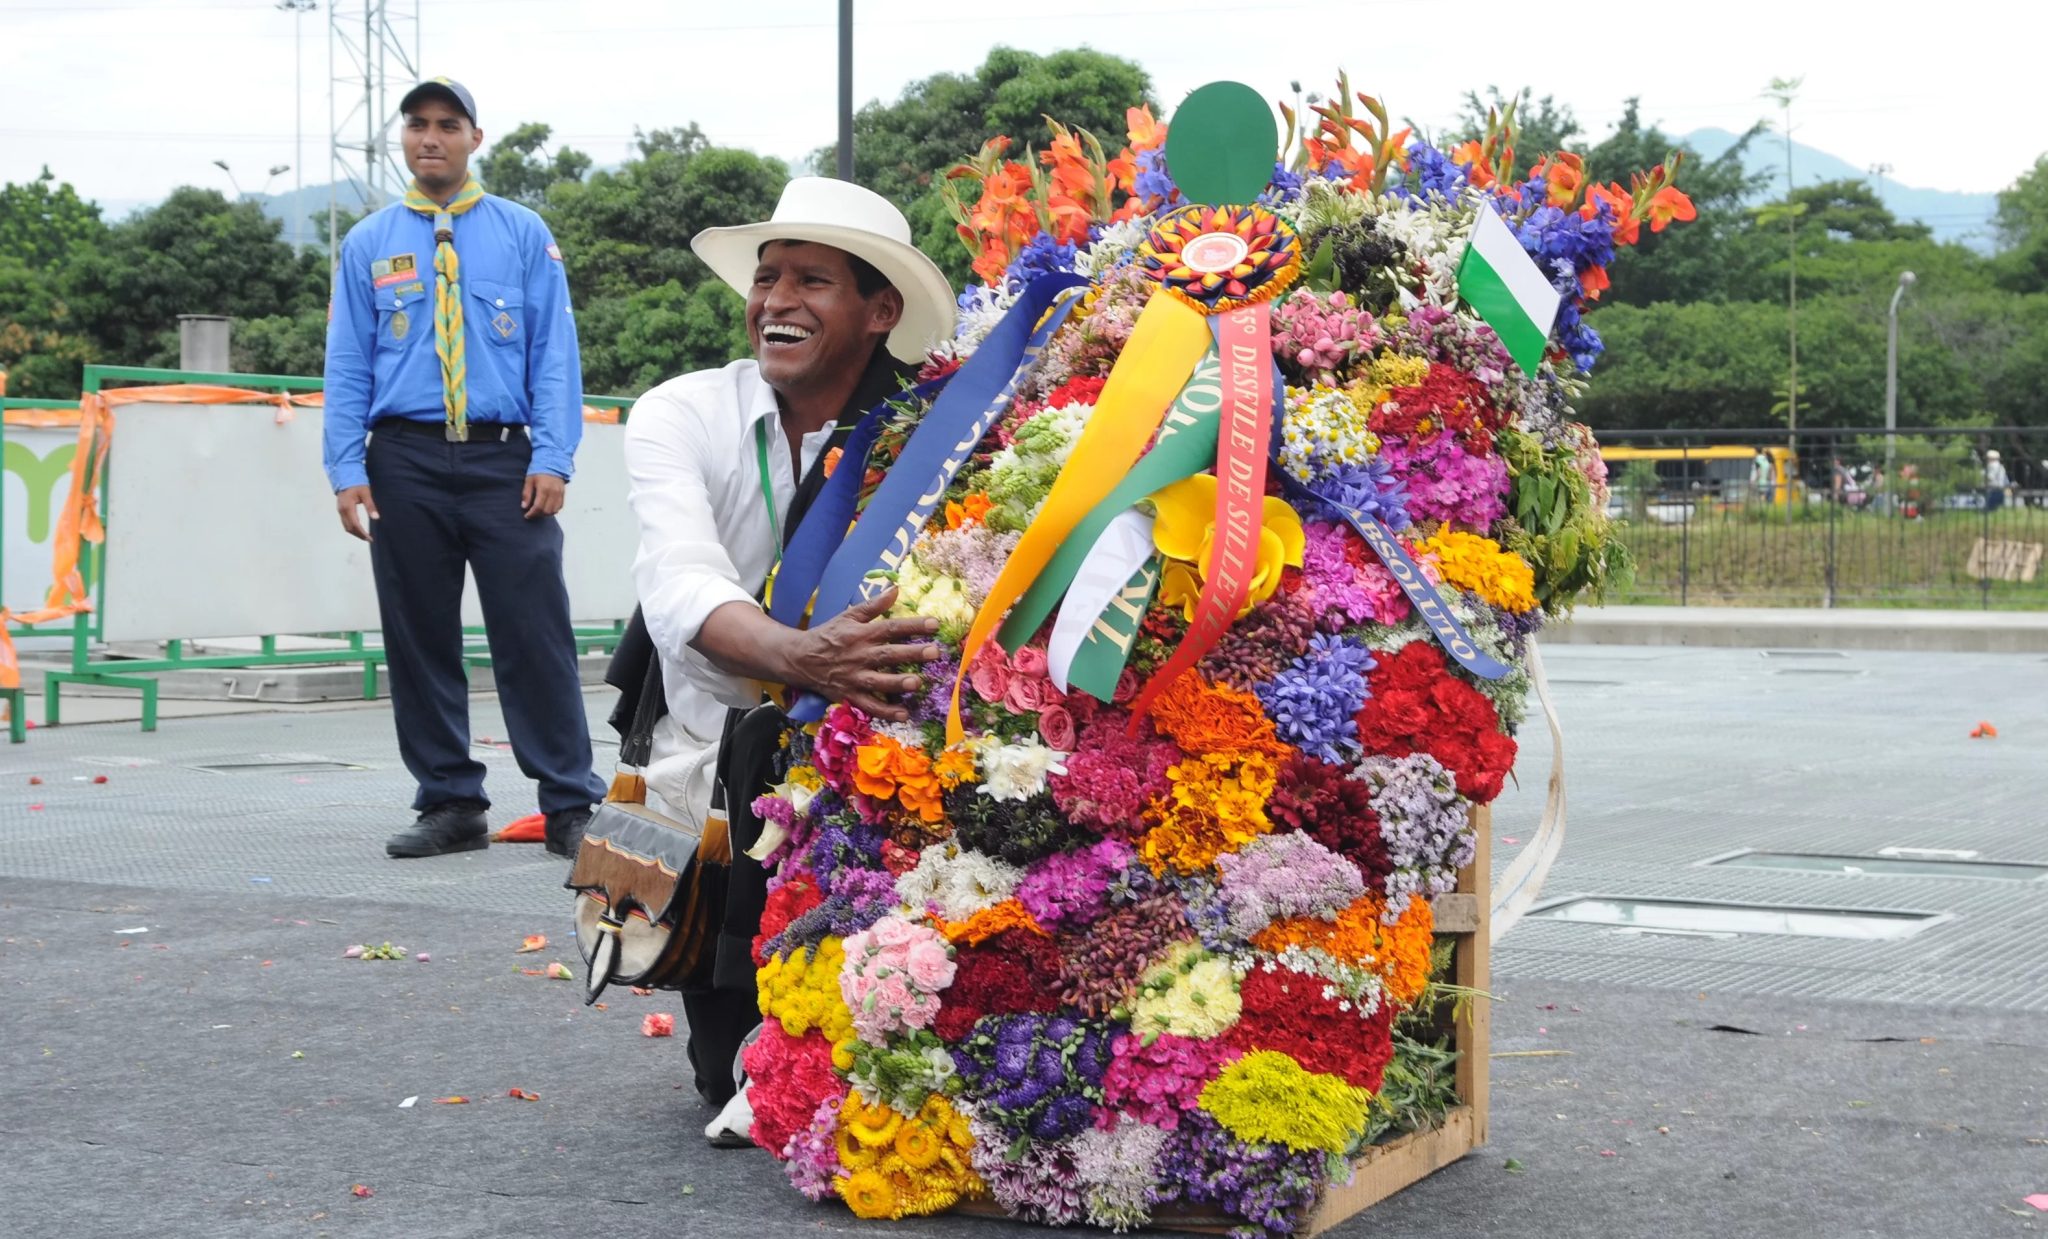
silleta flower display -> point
(1235, 515)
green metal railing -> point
(138, 673)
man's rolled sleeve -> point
(682, 572)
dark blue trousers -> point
(443, 505)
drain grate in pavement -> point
(1883, 866)
(1804, 654)
(1834, 671)
(1701, 918)
(281, 763)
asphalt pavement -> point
(184, 1050)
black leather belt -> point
(479, 432)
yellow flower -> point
(1191, 993)
(874, 1126)
(852, 1153)
(1479, 565)
(1186, 527)
(1267, 1097)
(918, 1145)
(869, 1194)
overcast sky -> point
(128, 98)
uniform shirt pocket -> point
(401, 311)
(500, 309)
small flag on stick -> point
(1506, 288)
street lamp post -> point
(845, 168)
(298, 9)
(222, 164)
(1891, 376)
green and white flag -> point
(1506, 288)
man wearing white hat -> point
(841, 308)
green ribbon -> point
(1186, 445)
(1099, 663)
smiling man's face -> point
(808, 320)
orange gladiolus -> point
(1145, 132)
(1472, 158)
(969, 511)
(1669, 204)
(1564, 173)
(1591, 281)
(1620, 205)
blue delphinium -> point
(1042, 255)
(1370, 488)
(1313, 701)
(1435, 176)
(1153, 182)
(1284, 188)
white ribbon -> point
(1125, 545)
(1522, 880)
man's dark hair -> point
(866, 280)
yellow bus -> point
(1726, 471)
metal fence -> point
(1917, 518)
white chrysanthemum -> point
(1116, 244)
(957, 881)
(981, 308)
(1017, 771)
(922, 592)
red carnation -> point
(1300, 1015)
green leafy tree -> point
(628, 230)
(519, 167)
(901, 149)
(2022, 224)
(42, 223)
(634, 342)
(194, 253)
(1705, 259)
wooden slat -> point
(1384, 1169)
(1473, 970)
(1456, 914)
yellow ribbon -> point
(1166, 343)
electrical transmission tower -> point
(373, 55)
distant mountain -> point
(1953, 215)
(307, 209)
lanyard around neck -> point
(767, 488)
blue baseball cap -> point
(447, 88)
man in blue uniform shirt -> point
(454, 406)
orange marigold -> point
(886, 769)
(1216, 719)
(987, 923)
(968, 511)
(1398, 952)
(1216, 804)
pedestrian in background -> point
(1995, 481)
(454, 404)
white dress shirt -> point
(706, 540)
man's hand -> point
(347, 501)
(543, 495)
(852, 658)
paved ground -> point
(1811, 1087)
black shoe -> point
(565, 830)
(456, 826)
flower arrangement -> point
(1123, 917)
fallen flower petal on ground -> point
(363, 1191)
(457, 1100)
(658, 1024)
(560, 972)
(533, 942)
(521, 1094)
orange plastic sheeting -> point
(41, 419)
(79, 522)
(607, 417)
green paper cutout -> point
(1221, 145)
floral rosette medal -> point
(1236, 497)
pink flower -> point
(1126, 687)
(1056, 727)
(1025, 694)
(930, 968)
(1030, 660)
(990, 673)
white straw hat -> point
(861, 222)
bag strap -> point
(637, 745)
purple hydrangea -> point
(1279, 876)
(1313, 703)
